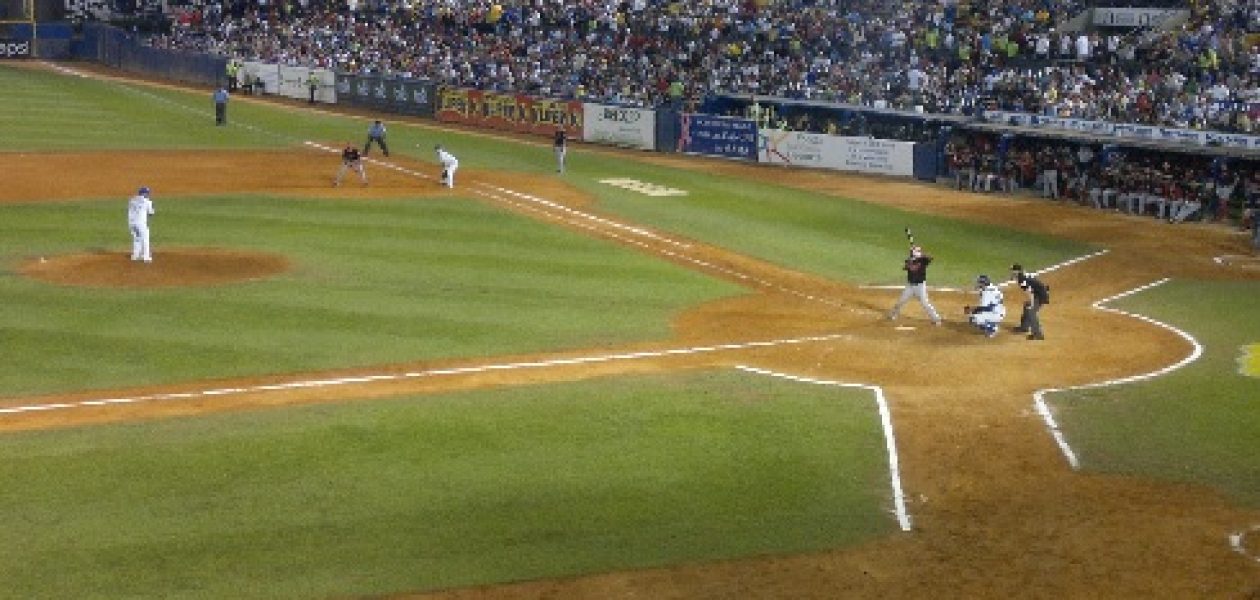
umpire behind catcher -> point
(1038, 296)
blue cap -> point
(144, 191)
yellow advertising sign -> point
(1249, 361)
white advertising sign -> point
(269, 74)
(1135, 17)
(619, 126)
(864, 155)
(293, 82)
(1126, 130)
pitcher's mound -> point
(171, 267)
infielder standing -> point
(350, 160)
(990, 311)
(916, 285)
(449, 165)
(138, 210)
(561, 146)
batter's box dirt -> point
(171, 267)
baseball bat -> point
(909, 236)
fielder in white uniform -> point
(138, 210)
(988, 315)
(449, 165)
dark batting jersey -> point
(916, 268)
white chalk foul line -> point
(1236, 542)
(1043, 409)
(591, 223)
(890, 440)
(385, 377)
(665, 252)
(131, 87)
(584, 215)
(1069, 262)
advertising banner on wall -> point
(327, 91)
(293, 82)
(1125, 130)
(619, 126)
(10, 48)
(345, 85)
(841, 153)
(415, 97)
(1136, 17)
(510, 112)
(266, 73)
(718, 136)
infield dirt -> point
(997, 511)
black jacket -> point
(916, 268)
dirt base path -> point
(997, 511)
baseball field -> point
(545, 386)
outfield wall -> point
(116, 48)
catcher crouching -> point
(987, 315)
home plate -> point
(904, 328)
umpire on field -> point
(376, 134)
(1038, 296)
(220, 98)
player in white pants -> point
(449, 165)
(916, 285)
(988, 315)
(138, 210)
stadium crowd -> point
(942, 56)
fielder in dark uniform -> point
(561, 147)
(1038, 296)
(350, 161)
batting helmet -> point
(983, 281)
(144, 191)
(916, 251)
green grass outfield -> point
(379, 282)
(1199, 424)
(442, 491)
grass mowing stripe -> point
(465, 489)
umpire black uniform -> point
(1038, 296)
